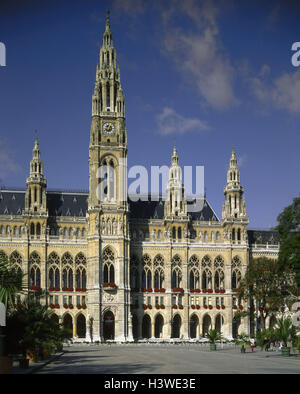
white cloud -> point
(170, 122)
(282, 92)
(200, 56)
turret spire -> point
(35, 199)
(234, 206)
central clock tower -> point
(107, 202)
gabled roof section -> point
(153, 208)
(75, 203)
(59, 203)
(67, 203)
(12, 202)
(263, 237)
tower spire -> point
(176, 202)
(107, 19)
(35, 199)
(234, 205)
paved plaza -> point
(168, 359)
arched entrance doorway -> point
(159, 323)
(176, 325)
(135, 327)
(146, 327)
(68, 324)
(81, 326)
(194, 324)
(235, 327)
(219, 322)
(55, 318)
(206, 324)
(108, 326)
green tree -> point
(213, 335)
(286, 332)
(10, 281)
(243, 340)
(268, 287)
(31, 326)
(289, 232)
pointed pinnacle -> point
(107, 18)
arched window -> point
(146, 274)
(194, 272)
(176, 272)
(15, 259)
(112, 180)
(108, 266)
(233, 234)
(54, 271)
(179, 232)
(146, 278)
(235, 272)
(134, 278)
(67, 278)
(194, 279)
(80, 278)
(176, 326)
(219, 273)
(174, 233)
(67, 273)
(206, 272)
(34, 269)
(158, 264)
(158, 278)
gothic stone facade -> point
(117, 269)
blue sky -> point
(208, 74)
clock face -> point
(108, 128)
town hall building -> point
(116, 269)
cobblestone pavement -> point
(168, 359)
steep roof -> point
(262, 237)
(74, 203)
(150, 208)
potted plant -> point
(213, 335)
(243, 340)
(286, 333)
